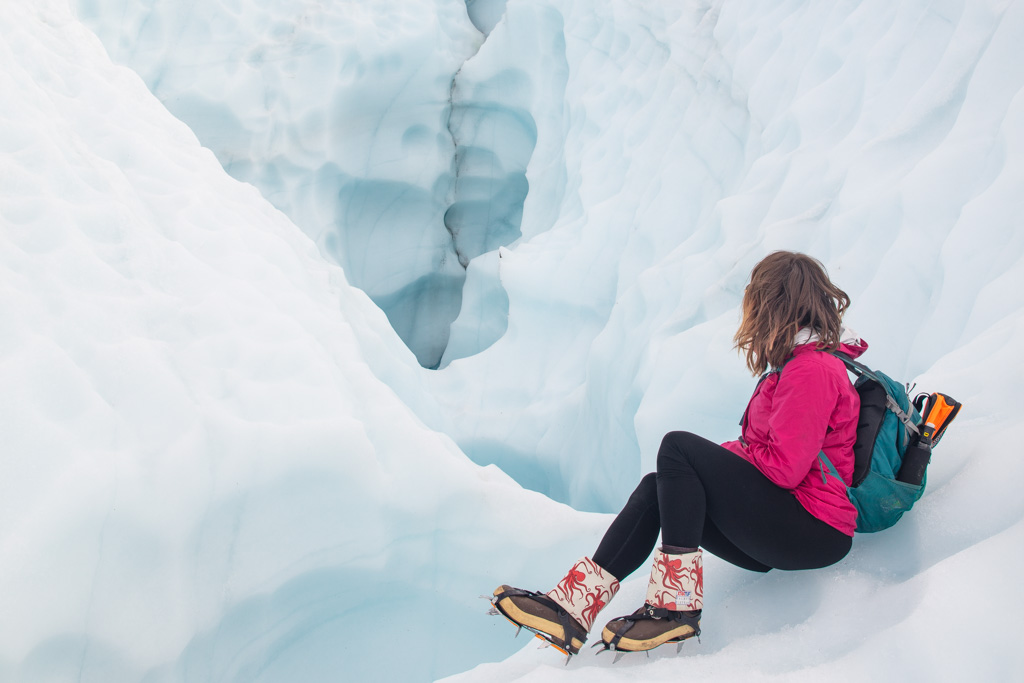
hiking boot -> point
(649, 627)
(564, 615)
(671, 612)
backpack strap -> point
(856, 368)
(862, 370)
(890, 403)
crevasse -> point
(348, 118)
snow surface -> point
(222, 463)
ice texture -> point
(517, 78)
(364, 123)
(338, 112)
(485, 14)
(203, 477)
(221, 462)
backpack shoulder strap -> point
(862, 370)
(853, 366)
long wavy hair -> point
(787, 292)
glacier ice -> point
(363, 122)
(485, 14)
(338, 112)
(204, 479)
(221, 463)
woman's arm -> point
(802, 406)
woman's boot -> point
(671, 612)
(562, 616)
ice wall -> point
(338, 112)
(518, 77)
(485, 14)
(203, 477)
(359, 122)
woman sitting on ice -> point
(762, 502)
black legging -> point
(705, 495)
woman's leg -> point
(700, 484)
(708, 496)
(632, 535)
(746, 514)
(715, 542)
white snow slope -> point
(220, 463)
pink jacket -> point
(810, 407)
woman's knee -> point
(646, 491)
(676, 449)
(649, 484)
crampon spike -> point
(547, 643)
(679, 646)
(567, 658)
(493, 612)
(518, 629)
(618, 655)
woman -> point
(761, 502)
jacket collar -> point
(850, 342)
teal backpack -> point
(886, 427)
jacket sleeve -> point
(802, 406)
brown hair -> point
(787, 291)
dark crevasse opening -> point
(418, 271)
(399, 168)
(404, 260)
(493, 147)
(384, 230)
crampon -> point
(648, 628)
(522, 618)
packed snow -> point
(224, 461)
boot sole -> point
(540, 626)
(627, 644)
